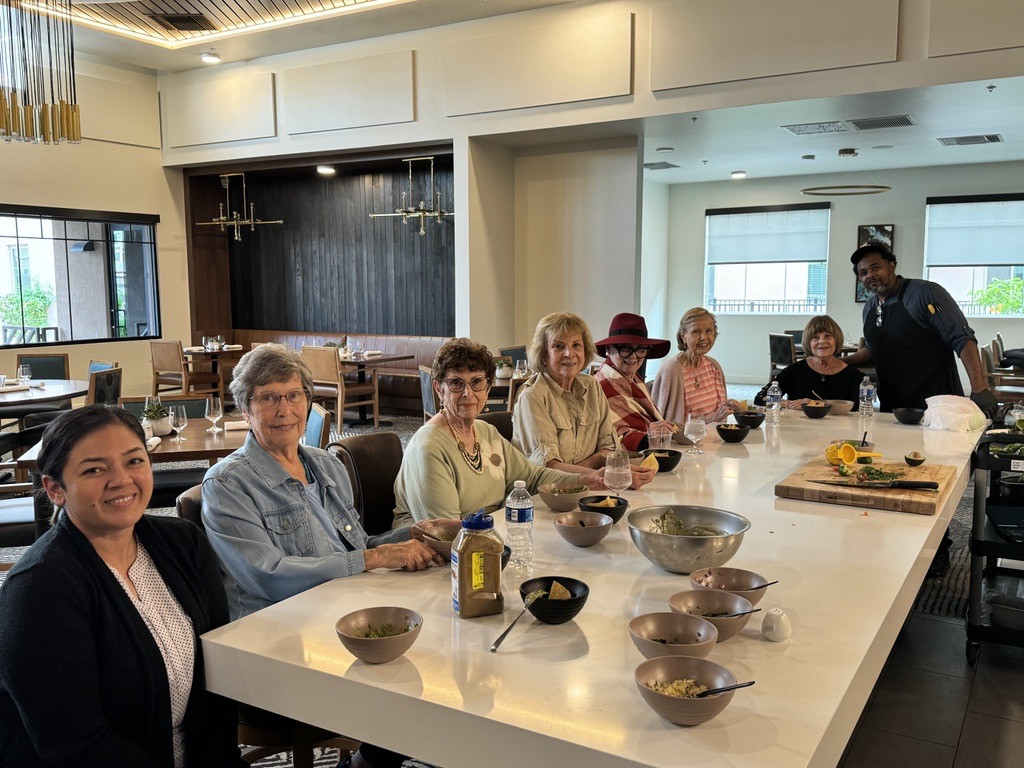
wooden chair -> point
(781, 352)
(50, 365)
(318, 427)
(513, 392)
(172, 371)
(1010, 374)
(372, 461)
(431, 402)
(514, 353)
(1004, 389)
(102, 365)
(329, 384)
(502, 421)
(266, 733)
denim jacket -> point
(260, 523)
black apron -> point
(913, 362)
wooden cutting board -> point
(799, 486)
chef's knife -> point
(926, 485)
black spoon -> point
(762, 586)
(723, 689)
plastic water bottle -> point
(867, 398)
(773, 404)
(519, 525)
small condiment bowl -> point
(668, 458)
(908, 415)
(732, 433)
(678, 710)
(352, 629)
(816, 411)
(555, 611)
(701, 602)
(589, 504)
(561, 502)
(752, 419)
(840, 407)
(672, 634)
(735, 580)
(443, 548)
(595, 526)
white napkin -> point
(14, 388)
(194, 349)
(231, 347)
(152, 443)
(233, 425)
(37, 384)
(372, 352)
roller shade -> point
(975, 234)
(767, 236)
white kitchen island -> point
(564, 695)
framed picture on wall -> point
(883, 234)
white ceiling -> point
(705, 149)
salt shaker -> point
(776, 626)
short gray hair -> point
(268, 364)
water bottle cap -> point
(519, 484)
(478, 521)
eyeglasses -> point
(268, 400)
(878, 315)
(458, 386)
(625, 350)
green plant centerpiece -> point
(503, 367)
(155, 414)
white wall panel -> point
(122, 112)
(572, 59)
(375, 90)
(696, 42)
(955, 26)
(231, 107)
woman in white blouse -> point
(100, 663)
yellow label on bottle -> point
(478, 570)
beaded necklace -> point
(475, 459)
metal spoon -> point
(723, 689)
(762, 586)
(526, 604)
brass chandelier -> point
(38, 101)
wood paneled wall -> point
(330, 267)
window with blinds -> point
(766, 260)
(974, 248)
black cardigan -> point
(796, 382)
(82, 682)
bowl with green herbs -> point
(378, 635)
(681, 538)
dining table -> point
(199, 445)
(566, 695)
(213, 356)
(41, 391)
(360, 361)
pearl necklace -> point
(475, 459)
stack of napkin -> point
(233, 425)
(231, 347)
(194, 349)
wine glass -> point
(24, 374)
(214, 413)
(520, 372)
(617, 475)
(695, 430)
(179, 420)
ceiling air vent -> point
(659, 166)
(966, 141)
(874, 123)
(184, 22)
(810, 129)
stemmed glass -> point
(617, 475)
(520, 372)
(695, 430)
(214, 413)
(179, 420)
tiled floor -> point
(931, 709)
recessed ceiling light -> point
(882, 146)
(325, 170)
(738, 175)
(807, 157)
(665, 149)
(210, 57)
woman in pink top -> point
(692, 382)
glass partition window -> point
(766, 260)
(974, 248)
(75, 276)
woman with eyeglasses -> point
(820, 373)
(626, 350)
(456, 464)
(693, 382)
(562, 419)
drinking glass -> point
(214, 413)
(151, 400)
(659, 438)
(24, 374)
(695, 430)
(3, 380)
(179, 420)
(617, 475)
(521, 371)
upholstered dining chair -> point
(102, 365)
(781, 352)
(265, 733)
(372, 461)
(1003, 388)
(501, 420)
(431, 402)
(104, 389)
(17, 512)
(318, 426)
(172, 371)
(44, 365)
(330, 386)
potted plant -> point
(503, 367)
(155, 414)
